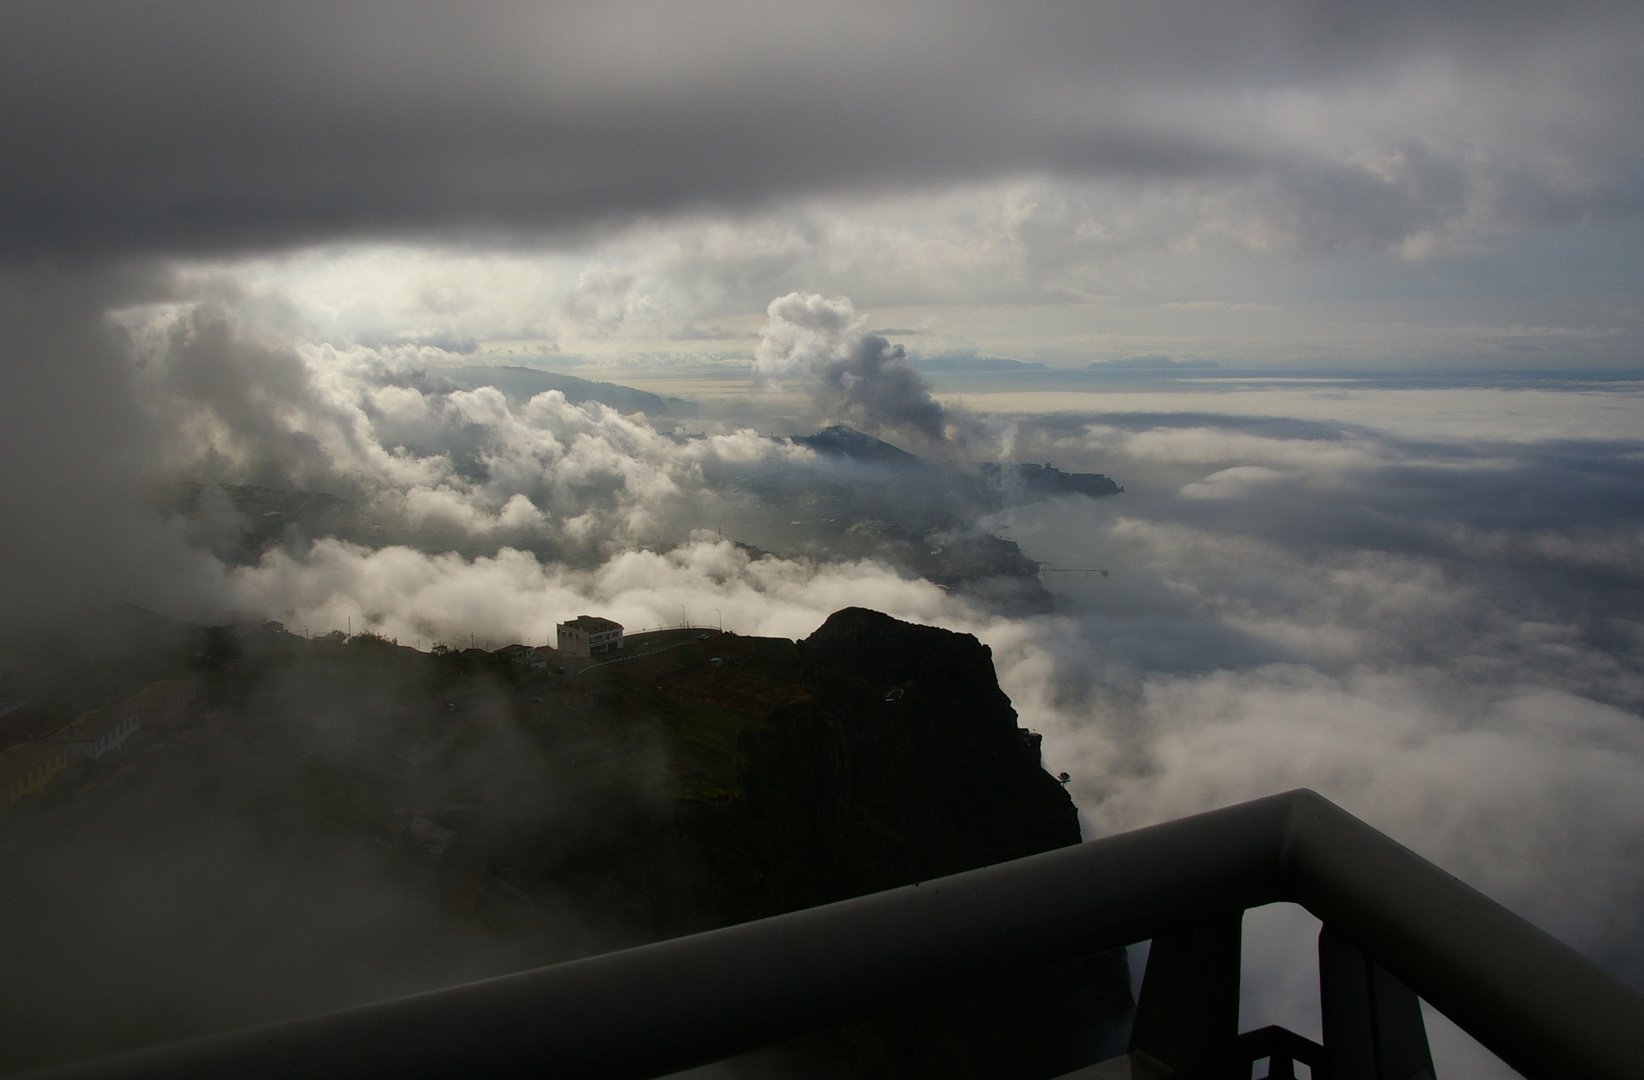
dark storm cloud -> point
(193, 126)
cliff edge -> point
(906, 764)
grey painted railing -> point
(643, 1012)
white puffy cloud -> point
(420, 598)
(243, 398)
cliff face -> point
(436, 818)
(908, 764)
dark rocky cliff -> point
(379, 820)
(908, 764)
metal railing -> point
(1392, 920)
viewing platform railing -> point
(1395, 926)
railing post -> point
(1187, 1015)
(1372, 1022)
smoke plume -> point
(856, 376)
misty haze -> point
(989, 430)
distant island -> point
(866, 498)
(1047, 479)
(1006, 479)
(973, 363)
(1151, 363)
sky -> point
(1361, 286)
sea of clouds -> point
(1431, 620)
(1421, 602)
(241, 237)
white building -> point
(99, 731)
(589, 635)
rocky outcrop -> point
(908, 764)
(493, 817)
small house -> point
(531, 656)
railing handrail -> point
(1543, 1008)
(1535, 1002)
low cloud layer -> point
(1427, 613)
(1300, 602)
(1440, 634)
(1465, 677)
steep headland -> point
(317, 823)
(904, 764)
